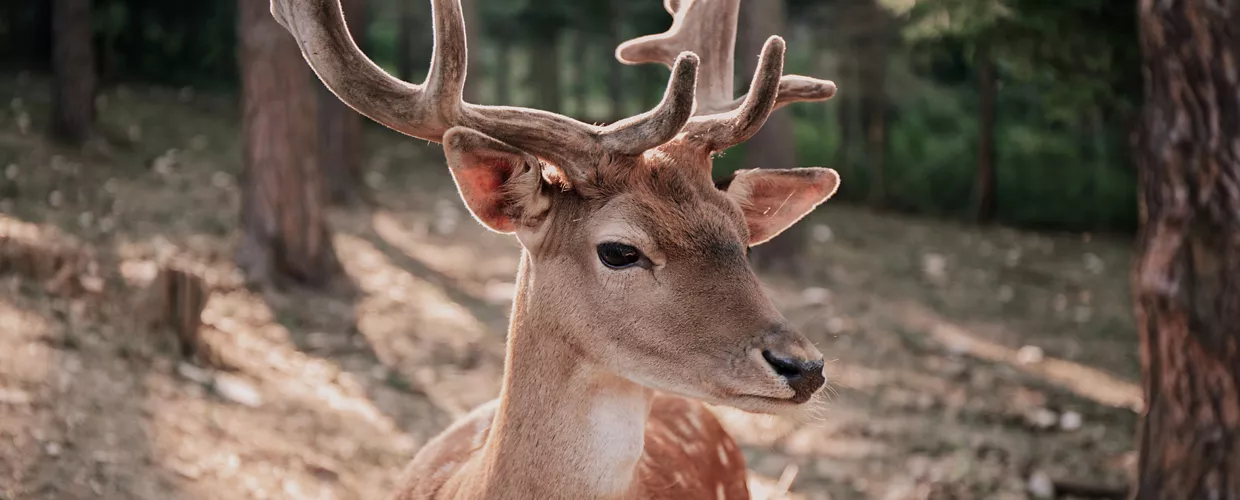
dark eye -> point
(618, 255)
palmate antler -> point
(428, 110)
(708, 29)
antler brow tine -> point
(428, 110)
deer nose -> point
(804, 376)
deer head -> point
(635, 256)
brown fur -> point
(607, 368)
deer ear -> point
(501, 185)
(773, 200)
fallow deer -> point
(635, 301)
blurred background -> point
(220, 282)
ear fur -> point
(500, 184)
(774, 199)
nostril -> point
(787, 368)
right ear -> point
(501, 185)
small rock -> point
(1070, 421)
(815, 295)
(1029, 355)
(1042, 418)
(822, 233)
(1093, 263)
(194, 373)
(1006, 294)
(11, 171)
(135, 133)
(1040, 485)
(237, 391)
(52, 448)
(934, 266)
(55, 198)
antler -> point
(708, 28)
(428, 110)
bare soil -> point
(966, 362)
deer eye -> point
(618, 255)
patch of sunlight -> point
(411, 322)
(452, 259)
(1082, 380)
(268, 349)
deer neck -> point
(565, 427)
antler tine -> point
(708, 28)
(427, 111)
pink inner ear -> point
(773, 200)
(481, 182)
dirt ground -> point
(966, 362)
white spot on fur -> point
(720, 493)
(723, 454)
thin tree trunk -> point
(284, 226)
(845, 112)
(1186, 277)
(405, 29)
(872, 75)
(774, 146)
(579, 63)
(73, 61)
(986, 135)
(503, 74)
(340, 128)
(615, 73)
(473, 49)
(545, 71)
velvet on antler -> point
(428, 110)
(708, 29)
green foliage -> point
(1067, 84)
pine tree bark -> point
(615, 74)
(284, 225)
(473, 50)
(545, 71)
(503, 74)
(873, 41)
(1186, 277)
(986, 135)
(340, 128)
(73, 62)
(774, 146)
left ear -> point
(774, 199)
(500, 184)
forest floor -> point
(966, 362)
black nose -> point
(803, 376)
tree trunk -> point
(615, 73)
(986, 135)
(1186, 277)
(545, 71)
(284, 226)
(473, 50)
(406, 26)
(340, 128)
(845, 112)
(774, 146)
(579, 63)
(872, 76)
(503, 74)
(73, 61)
